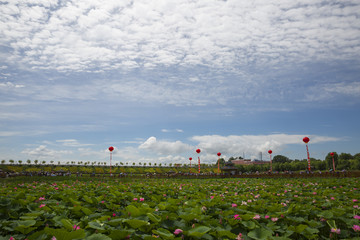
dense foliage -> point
(50, 208)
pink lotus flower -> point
(114, 214)
(76, 227)
(11, 238)
(357, 217)
(239, 237)
(53, 238)
(141, 199)
(354, 200)
(135, 199)
(237, 217)
(41, 198)
(42, 205)
(233, 205)
(211, 197)
(356, 228)
(335, 230)
(267, 216)
(274, 219)
(178, 231)
(257, 217)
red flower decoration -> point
(332, 154)
(111, 149)
(219, 154)
(306, 139)
(270, 152)
(190, 158)
(198, 150)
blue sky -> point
(158, 79)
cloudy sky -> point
(158, 79)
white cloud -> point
(217, 34)
(11, 85)
(72, 143)
(235, 145)
(42, 152)
(171, 130)
(165, 147)
(232, 145)
(350, 89)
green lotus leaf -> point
(134, 211)
(120, 234)
(96, 225)
(259, 234)
(165, 234)
(154, 218)
(98, 236)
(198, 231)
(136, 223)
(67, 224)
(62, 234)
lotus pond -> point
(50, 208)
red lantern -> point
(219, 154)
(270, 152)
(306, 140)
(111, 149)
(332, 155)
(190, 158)
(198, 150)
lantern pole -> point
(306, 140)
(111, 149)
(190, 158)
(219, 154)
(332, 155)
(198, 151)
(270, 152)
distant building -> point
(241, 161)
(248, 162)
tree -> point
(280, 159)
(3, 161)
(43, 162)
(28, 161)
(20, 162)
(329, 160)
(51, 161)
(345, 156)
(36, 161)
(11, 161)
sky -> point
(158, 79)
